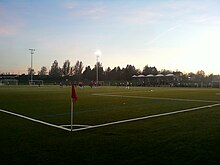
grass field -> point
(191, 137)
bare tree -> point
(31, 71)
(78, 68)
(43, 71)
(66, 68)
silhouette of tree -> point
(43, 71)
(55, 70)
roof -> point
(169, 75)
(141, 75)
(159, 75)
(150, 75)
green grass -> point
(185, 138)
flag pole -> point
(73, 100)
(72, 106)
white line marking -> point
(146, 117)
(76, 125)
(34, 120)
(157, 98)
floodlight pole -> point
(97, 71)
(32, 52)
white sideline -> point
(34, 120)
(145, 117)
(156, 98)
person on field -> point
(127, 85)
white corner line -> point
(146, 117)
(110, 123)
(34, 120)
(76, 125)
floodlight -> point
(98, 53)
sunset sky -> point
(169, 34)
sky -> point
(175, 35)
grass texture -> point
(185, 138)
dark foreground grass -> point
(186, 138)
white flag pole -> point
(72, 106)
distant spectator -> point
(81, 84)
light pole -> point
(32, 52)
(97, 70)
(98, 53)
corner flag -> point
(74, 96)
(73, 100)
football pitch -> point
(112, 125)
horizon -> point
(172, 35)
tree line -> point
(78, 72)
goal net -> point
(216, 84)
(36, 82)
(8, 82)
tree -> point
(200, 76)
(43, 71)
(100, 71)
(164, 71)
(31, 71)
(191, 76)
(87, 74)
(108, 73)
(66, 68)
(200, 73)
(128, 72)
(116, 73)
(55, 70)
(150, 70)
(78, 68)
(210, 78)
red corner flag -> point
(74, 96)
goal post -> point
(9, 82)
(36, 82)
(216, 84)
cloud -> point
(70, 5)
(174, 27)
(208, 19)
(93, 13)
(141, 17)
(195, 12)
(187, 11)
(163, 34)
(201, 19)
(86, 10)
(143, 13)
